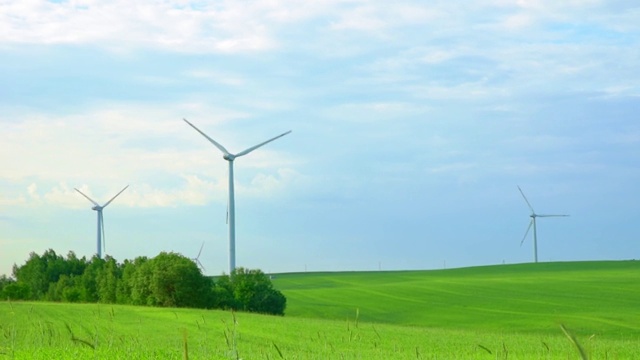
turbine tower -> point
(533, 223)
(231, 204)
(99, 209)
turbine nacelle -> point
(97, 207)
(229, 157)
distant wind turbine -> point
(533, 223)
(101, 238)
(231, 204)
(197, 258)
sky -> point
(413, 124)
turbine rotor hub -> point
(229, 157)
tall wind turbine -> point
(99, 209)
(533, 223)
(231, 210)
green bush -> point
(169, 280)
(249, 290)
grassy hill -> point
(592, 297)
(496, 312)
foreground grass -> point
(499, 312)
(89, 331)
(594, 298)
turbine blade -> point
(109, 202)
(245, 152)
(527, 201)
(200, 252)
(526, 232)
(551, 215)
(220, 147)
(88, 198)
(200, 264)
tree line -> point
(169, 280)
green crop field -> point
(601, 298)
(497, 312)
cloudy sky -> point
(412, 125)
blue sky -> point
(413, 123)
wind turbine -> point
(197, 258)
(99, 209)
(231, 204)
(533, 223)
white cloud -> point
(101, 150)
(121, 24)
(193, 191)
(33, 192)
(266, 185)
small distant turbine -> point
(533, 223)
(197, 258)
(231, 215)
(101, 238)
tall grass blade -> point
(78, 340)
(485, 349)
(546, 346)
(185, 353)
(376, 331)
(574, 341)
(357, 316)
(278, 350)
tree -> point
(169, 279)
(65, 289)
(252, 291)
(223, 294)
(16, 291)
(177, 281)
(107, 280)
(88, 284)
(32, 275)
(4, 282)
(124, 290)
(39, 273)
(140, 283)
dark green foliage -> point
(223, 294)
(107, 281)
(249, 290)
(16, 291)
(169, 280)
(89, 280)
(11, 290)
(39, 272)
(32, 274)
(4, 281)
(124, 289)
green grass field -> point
(601, 298)
(498, 312)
